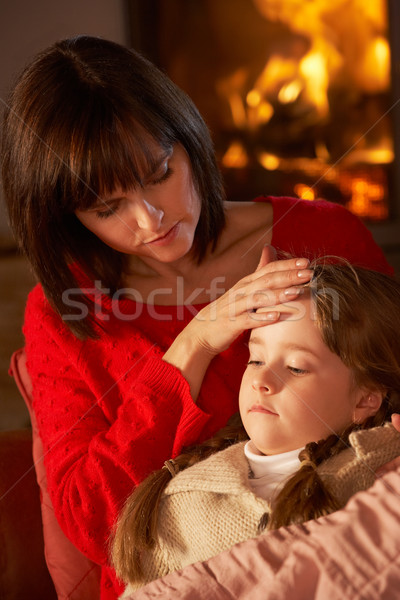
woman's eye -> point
(107, 211)
(254, 363)
(165, 175)
(297, 371)
(103, 214)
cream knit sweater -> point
(210, 506)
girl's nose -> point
(148, 217)
(264, 382)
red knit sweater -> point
(110, 410)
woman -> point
(148, 278)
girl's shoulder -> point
(353, 469)
(225, 472)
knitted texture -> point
(109, 411)
(209, 507)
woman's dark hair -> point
(77, 126)
(357, 312)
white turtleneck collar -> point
(267, 472)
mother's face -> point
(157, 220)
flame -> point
(271, 162)
(347, 43)
(231, 88)
(343, 53)
(236, 156)
(374, 69)
(304, 192)
(314, 69)
(290, 91)
(367, 199)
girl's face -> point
(295, 390)
(156, 221)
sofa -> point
(23, 570)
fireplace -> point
(302, 96)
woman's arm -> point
(105, 420)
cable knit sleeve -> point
(109, 411)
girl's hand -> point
(215, 327)
(395, 463)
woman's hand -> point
(395, 463)
(256, 300)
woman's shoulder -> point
(248, 228)
(286, 206)
(320, 227)
(281, 213)
(247, 217)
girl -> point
(147, 275)
(318, 387)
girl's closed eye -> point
(297, 371)
(255, 363)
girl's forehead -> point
(296, 317)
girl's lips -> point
(167, 238)
(262, 409)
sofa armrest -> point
(23, 572)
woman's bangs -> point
(118, 158)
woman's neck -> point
(151, 268)
(237, 254)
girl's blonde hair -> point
(357, 312)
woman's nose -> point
(147, 216)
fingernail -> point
(272, 316)
(302, 262)
(292, 291)
(304, 274)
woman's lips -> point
(163, 240)
(262, 409)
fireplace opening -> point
(299, 94)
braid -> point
(304, 495)
(136, 529)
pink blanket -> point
(353, 554)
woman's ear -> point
(368, 404)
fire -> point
(270, 162)
(304, 191)
(236, 156)
(340, 50)
(341, 54)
